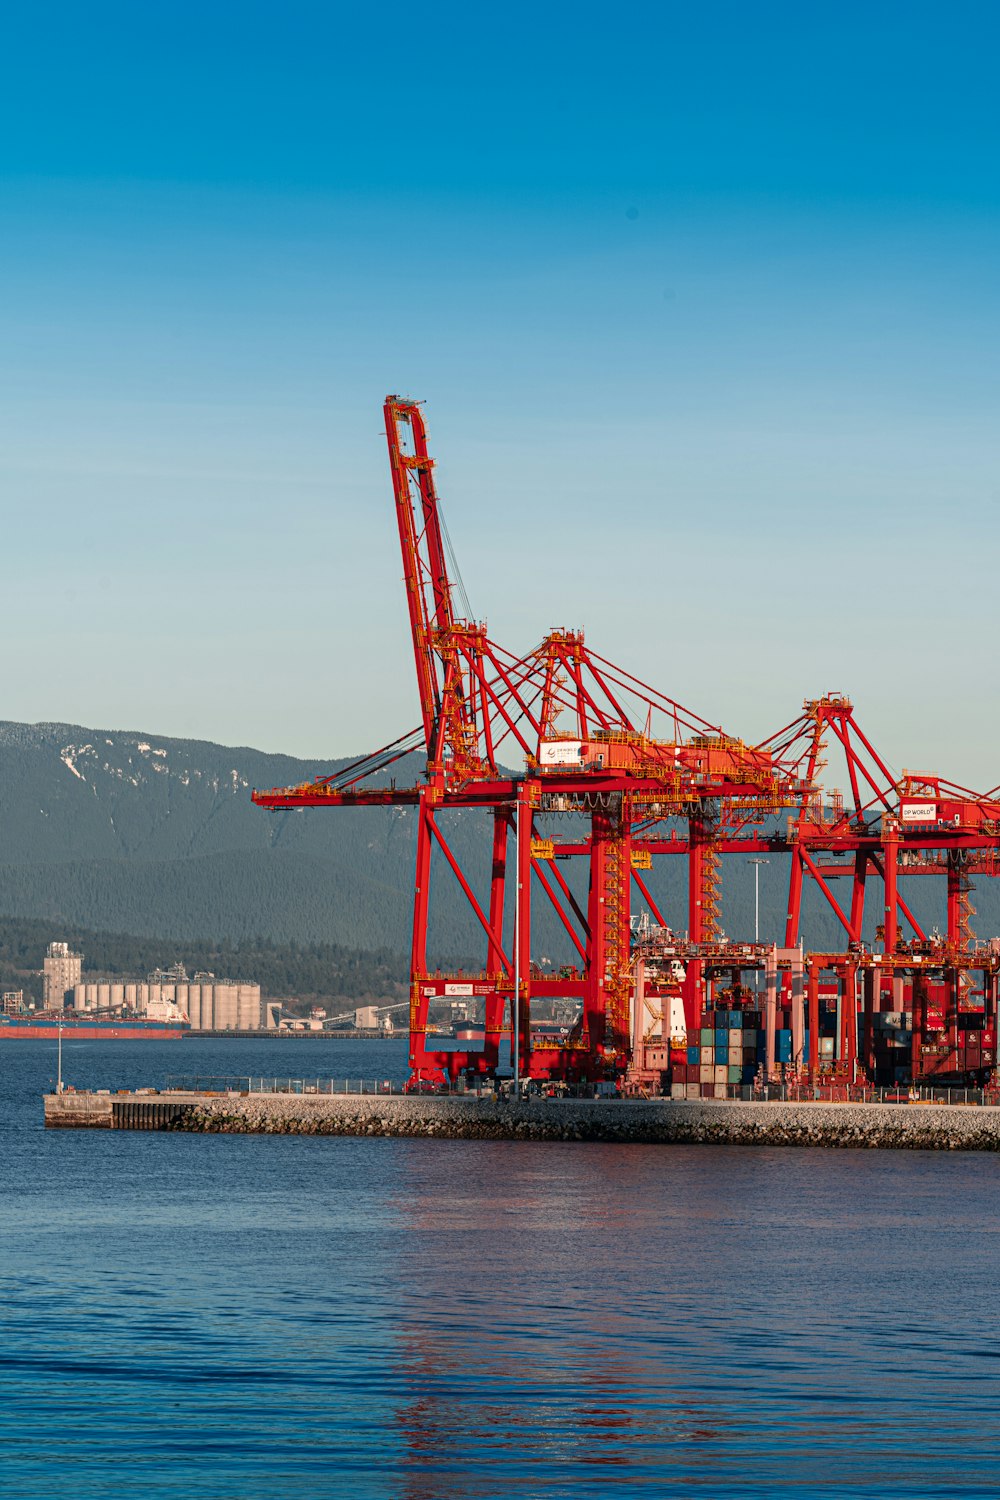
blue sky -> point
(704, 303)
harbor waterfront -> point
(397, 1316)
(308, 1110)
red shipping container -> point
(989, 1056)
(989, 1036)
(678, 1073)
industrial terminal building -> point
(210, 1004)
(61, 970)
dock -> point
(923, 1127)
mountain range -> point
(140, 833)
(126, 832)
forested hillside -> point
(128, 832)
(122, 832)
(315, 973)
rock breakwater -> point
(920, 1127)
(868, 1126)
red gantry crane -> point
(562, 730)
(888, 829)
(595, 743)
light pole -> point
(757, 862)
(59, 1083)
(516, 1008)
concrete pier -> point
(923, 1127)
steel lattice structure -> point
(645, 778)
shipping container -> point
(706, 1073)
(721, 1074)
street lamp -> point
(756, 903)
(756, 894)
(516, 1007)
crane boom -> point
(440, 642)
(427, 590)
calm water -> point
(227, 1318)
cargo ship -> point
(82, 1028)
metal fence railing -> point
(804, 1093)
(260, 1085)
(791, 1093)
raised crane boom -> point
(441, 644)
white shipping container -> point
(706, 1073)
(678, 1090)
(721, 1073)
(693, 1090)
(735, 1038)
(720, 1091)
(708, 1054)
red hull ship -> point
(89, 1029)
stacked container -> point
(722, 1056)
